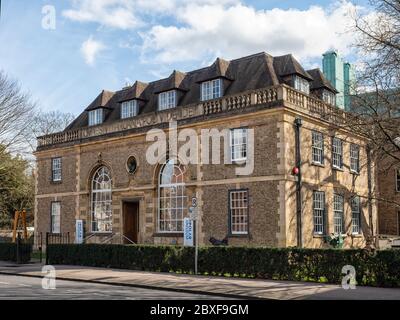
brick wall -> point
(272, 211)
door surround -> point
(131, 220)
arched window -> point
(101, 201)
(172, 198)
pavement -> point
(203, 285)
(30, 288)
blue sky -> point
(103, 44)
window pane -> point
(101, 201)
(329, 97)
(56, 169)
(337, 153)
(167, 100)
(55, 217)
(338, 203)
(239, 211)
(356, 214)
(239, 144)
(128, 109)
(317, 147)
(172, 198)
(319, 211)
(301, 84)
(95, 117)
(354, 158)
(211, 89)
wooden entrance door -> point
(131, 221)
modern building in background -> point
(341, 75)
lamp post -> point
(297, 173)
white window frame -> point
(167, 100)
(56, 169)
(355, 215)
(55, 217)
(338, 213)
(355, 158)
(101, 201)
(301, 84)
(337, 153)
(319, 212)
(172, 199)
(329, 97)
(129, 109)
(96, 117)
(317, 147)
(211, 89)
(397, 172)
(239, 212)
(239, 141)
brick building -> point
(389, 193)
(97, 169)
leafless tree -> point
(44, 123)
(16, 110)
(376, 96)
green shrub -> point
(318, 265)
(8, 252)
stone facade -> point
(389, 193)
(271, 187)
(258, 95)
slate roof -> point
(320, 81)
(248, 73)
(101, 100)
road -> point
(26, 288)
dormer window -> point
(167, 100)
(96, 117)
(129, 109)
(329, 97)
(211, 90)
(301, 84)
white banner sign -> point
(188, 233)
(79, 231)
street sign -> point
(79, 231)
(193, 213)
(188, 234)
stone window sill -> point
(232, 235)
(168, 235)
(318, 164)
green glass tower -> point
(341, 75)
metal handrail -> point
(108, 238)
(89, 237)
(126, 238)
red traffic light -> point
(295, 171)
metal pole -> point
(298, 124)
(47, 248)
(196, 247)
(18, 247)
(41, 247)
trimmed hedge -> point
(319, 265)
(8, 252)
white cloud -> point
(199, 30)
(111, 13)
(128, 14)
(238, 30)
(90, 49)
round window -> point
(131, 165)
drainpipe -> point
(369, 169)
(298, 124)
